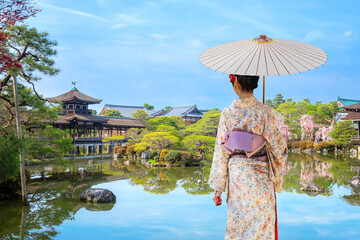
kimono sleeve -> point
(276, 147)
(218, 174)
(276, 142)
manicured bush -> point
(172, 156)
(163, 153)
(186, 157)
(130, 149)
(138, 153)
(121, 150)
(309, 145)
(295, 145)
(153, 154)
(156, 158)
(325, 145)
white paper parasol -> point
(263, 56)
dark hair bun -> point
(247, 83)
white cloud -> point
(347, 33)
(72, 11)
(119, 25)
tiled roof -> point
(126, 111)
(63, 119)
(352, 107)
(352, 116)
(73, 95)
(123, 122)
(105, 121)
(346, 102)
(184, 111)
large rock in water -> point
(355, 183)
(97, 195)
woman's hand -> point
(217, 198)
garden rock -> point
(97, 195)
(355, 183)
(313, 188)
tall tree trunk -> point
(21, 156)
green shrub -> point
(130, 149)
(163, 153)
(186, 157)
(156, 158)
(153, 154)
(121, 150)
(172, 156)
(138, 153)
(325, 145)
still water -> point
(175, 203)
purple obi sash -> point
(244, 144)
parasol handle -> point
(263, 89)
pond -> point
(175, 203)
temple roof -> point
(105, 121)
(74, 95)
(126, 111)
(353, 107)
(190, 111)
(354, 116)
(123, 121)
(346, 102)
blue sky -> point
(139, 51)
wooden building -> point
(190, 114)
(77, 117)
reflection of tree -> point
(323, 171)
(164, 180)
(196, 184)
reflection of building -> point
(344, 102)
(190, 114)
(77, 117)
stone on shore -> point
(97, 195)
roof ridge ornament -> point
(263, 39)
(74, 83)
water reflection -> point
(54, 190)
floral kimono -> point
(249, 184)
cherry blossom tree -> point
(307, 127)
(285, 129)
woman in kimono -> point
(249, 177)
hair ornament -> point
(232, 77)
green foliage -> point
(130, 149)
(342, 133)
(278, 99)
(10, 147)
(172, 156)
(186, 157)
(148, 106)
(156, 158)
(179, 121)
(48, 142)
(112, 139)
(153, 154)
(167, 108)
(142, 116)
(198, 142)
(206, 126)
(112, 113)
(93, 112)
(165, 121)
(156, 141)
